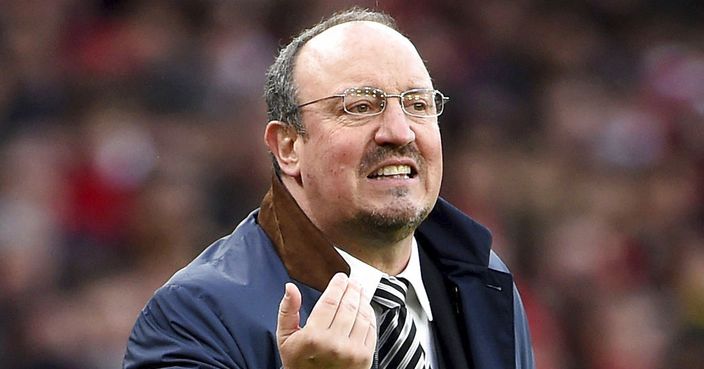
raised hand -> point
(340, 332)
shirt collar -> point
(369, 277)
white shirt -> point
(417, 301)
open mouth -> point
(400, 171)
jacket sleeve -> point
(179, 328)
(524, 348)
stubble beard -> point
(393, 223)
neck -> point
(391, 260)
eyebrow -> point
(417, 87)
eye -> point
(360, 108)
(419, 106)
(366, 104)
(416, 102)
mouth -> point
(398, 171)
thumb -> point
(289, 317)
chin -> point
(391, 223)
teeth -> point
(394, 170)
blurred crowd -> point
(131, 138)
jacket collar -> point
(454, 239)
(307, 254)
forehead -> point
(356, 54)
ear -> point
(281, 138)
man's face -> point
(365, 178)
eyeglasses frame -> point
(400, 96)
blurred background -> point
(130, 138)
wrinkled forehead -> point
(359, 53)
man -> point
(375, 270)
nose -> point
(394, 127)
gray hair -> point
(280, 90)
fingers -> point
(354, 317)
(342, 308)
(340, 331)
(370, 339)
(365, 323)
(289, 316)
(325, 309)
(348, 309)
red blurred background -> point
(130, 138)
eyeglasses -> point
(369, 101)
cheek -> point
(331, 161)
(431, 150)
(340, 151)
(430, 144)
(438, 156)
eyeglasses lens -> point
(371, 101)
(419, 102)
(364, 101)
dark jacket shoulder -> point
(209, 308)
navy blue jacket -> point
(220, 311)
